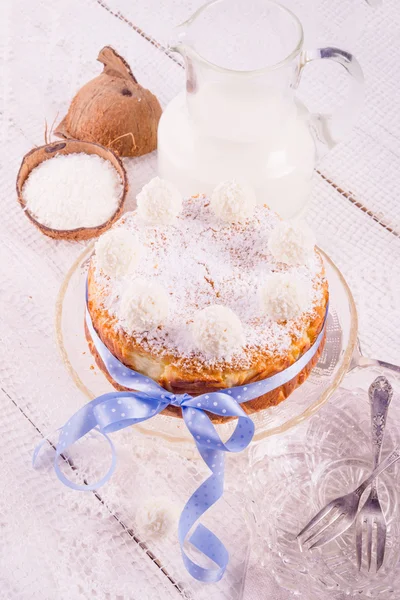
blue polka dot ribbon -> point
(117, 410)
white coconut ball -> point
(156, 517)
(144, 305)
(117, 252)
(285, 296)
(217, 331)
(233, 202)
(159, 202)
(292, 242)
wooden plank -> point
(51, 525)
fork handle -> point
(380, 395)
(359, 360)
(363, 361)
(385, 464)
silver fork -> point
(380, 395)
(341, 511)
(359, 360)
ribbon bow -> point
(117, 410)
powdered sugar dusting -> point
(199, 260)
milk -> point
(230, 130)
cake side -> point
(180, 374)
(264, 401)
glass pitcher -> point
(239, 117)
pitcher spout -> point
(180, 36)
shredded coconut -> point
(73, 190)
(292, 242)
(144, 304)
(232, 201)
(159, 202)
(285, 296)
(199, 260)
(117, 252)
(217, 332)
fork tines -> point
(335, 524)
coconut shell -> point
(114, 110)
(42, 153)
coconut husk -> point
(114, 110)
(48, 151)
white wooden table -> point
(57, 544)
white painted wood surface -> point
(52, 544)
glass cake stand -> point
(301, 404)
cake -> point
(202, 294)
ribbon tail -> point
(105, 414)
(206, 542)
(87, 487)
(39, 447)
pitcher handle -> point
(329, 129)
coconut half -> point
(38, 155)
